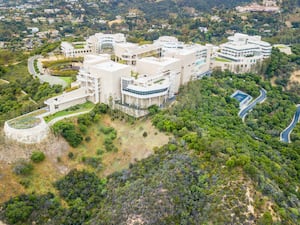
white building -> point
(99, 41)
(168, 42)
(155, 82)
(244, 39)
(95, 44)
(242, 53)
(128, 53)
(101, 77)
(194, 61)
(76, 49)
(67, 100)
(142, 77)
(99, 81)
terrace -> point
(27, 121)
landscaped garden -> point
(27, 121)
(75, 109)
(63, 67)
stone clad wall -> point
(28, 136)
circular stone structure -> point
(28, 135)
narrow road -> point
(285, 134)
(43, 77)
(30, 65)
(263, 95)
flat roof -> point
(67, 97)
(94, 59)
(159, 61)
(187, 49)
(110, 66)
(135, 48)
(239, 45)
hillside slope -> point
(161, 9)
(215, 170)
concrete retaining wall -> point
(131, 111)
(28, 136)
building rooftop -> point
(137, 49)
(187, 49)
(90, 60)
(67, 97)
(110, 66)
(239, 45)
(164, 61)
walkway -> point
(43, 77)
(285, 134)
(261, 98)
(67, 116)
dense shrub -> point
(145, 134)
(94, 162)
(71, 155)
(30, 209)
(18, 212)
(22, 168)
(101, 108)
(83, 185)
(37, 156)
(69, 132)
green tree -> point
(18, 212)
(37, 156)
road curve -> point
(285, 134)
(263, 95)
(30, 65)
(43, 77)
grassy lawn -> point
(26, 121)
(222, 59)
(68, 80)
(75, 109)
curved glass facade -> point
(146, 92)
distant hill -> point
(162, 8)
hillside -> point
(162, 9)
(215, 170)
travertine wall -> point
(28, 136)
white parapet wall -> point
(28, 136)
